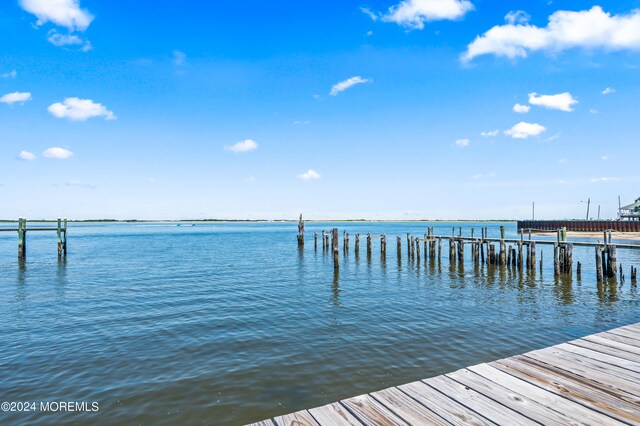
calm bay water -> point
(230, 323)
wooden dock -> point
(594, 380)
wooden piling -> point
(368, 245)
(503, 253)
(383, 246)
(520, 254)
(556, 260)
(634, 274)
(399, 248)
(412, 251)
(357, 245)
(417, 250)
(612, 262)
(541, 254)
(533, 255)
(452, 250)
(502, 232)
(315, 240)
(300, 232)
(599, 275)
(22, 238)
(579, 270)
(334, 244)
(460, 251)
(482, 250)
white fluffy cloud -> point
(76, 109)
(61, 40)
(490, 133)
(608, 91)
(58, 153)
(243, 146)
(517, 17)
(12, 98)
(309, 175)
(414, 13)
(26, 156)
(10, 74)
(345, 84)
(562, 101)
(462, 142)
(588, 29)
(524, 130)
(65, 13)
(521, 109)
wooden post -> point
(502, 232)
(315, 240)
(60, 245)
(541, 254)
(357, 247)
(300, 232)
(579, 270)
(22, 238)
(383, 246)
(520, 254)
(418, 250)
(533, 255)
(621, 277)
(612, 262)
(439, 249)
(64, 242)
(599, 264)
(482, 249)
(368, 245)
(528, 262)
(634, 274)
(413, 247)
(334, 246)
(556, 260)
(399, 248)
(503, 254)
(460, 250)
(452, 250)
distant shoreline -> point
(260, 220)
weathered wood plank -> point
(623, 355)
(371, 413)
(333, 414)
(445, 407)
(477, 402)
(408, 408)
(505, 396)
(614, 344)
(621, 339)
(579, 368)
(300, 418)
(625, 333)
(575, 388)
(556, 402)
(599, 361)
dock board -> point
(594, 380)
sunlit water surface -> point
(230, 323)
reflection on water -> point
(231, 323)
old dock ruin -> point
(517, 254)
(22, 230)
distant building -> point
(630, 212)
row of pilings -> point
(509, 253)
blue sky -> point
(374, 109)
